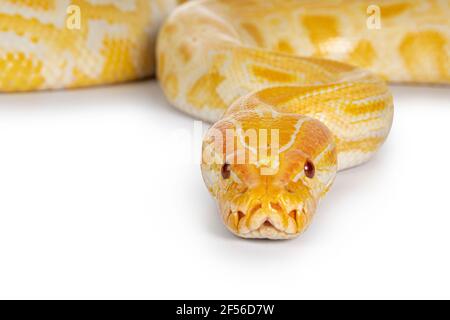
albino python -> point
(289, 114)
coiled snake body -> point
(287, 114)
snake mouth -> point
(262, 224)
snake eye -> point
(226, 172)
(310, 170)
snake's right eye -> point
(226, 171)
(310, 170)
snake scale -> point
(296, 89)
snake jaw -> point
(271, 221)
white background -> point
(100, 197)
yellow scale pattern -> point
(265, 65)
(40, 50)
(259, 64)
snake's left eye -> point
(310, 170)
(226, 171)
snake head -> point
(268, 171)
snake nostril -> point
(293, 214)
(255, 208)
(240, 215)
(276, 206)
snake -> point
(295, 90)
